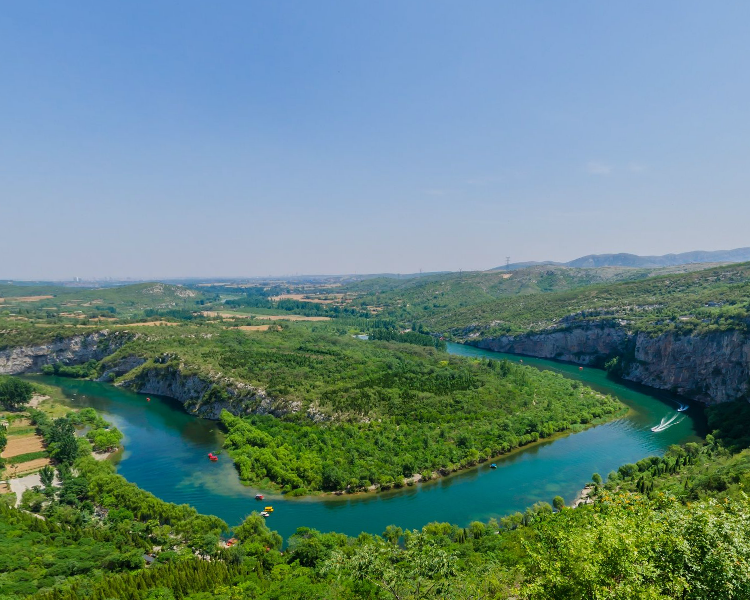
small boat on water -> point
(259, 496)
(268, 509)
(265, 514)
(493, 466)
(212, 457)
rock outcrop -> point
(711, 368)
(202, 395)
(68, 351)
(206, 397)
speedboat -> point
(259, 496)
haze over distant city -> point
(174, 139)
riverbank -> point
(26, 450)
(583, 497)
(167, 455)
(443, 474)
(415, 481)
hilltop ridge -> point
(624, 259)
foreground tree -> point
(63, 445)
(47, 476)
(421, 569)
(15, 393)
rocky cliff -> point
(203, 396)
(711, 368)
(69, 351)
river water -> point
(166, 453)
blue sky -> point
(167, 139)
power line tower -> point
(507, 263)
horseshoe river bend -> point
(165, 453)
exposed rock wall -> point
(201, 395)
(711, 368)
(204, 397)
(69, 351)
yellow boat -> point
(269, 509)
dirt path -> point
(36, 400)
(253, 327)
(152, 324)
(235, 315)
(19, 485)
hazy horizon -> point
(208, 277)
(162, 141)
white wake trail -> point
(665, 423)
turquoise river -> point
(166, 453)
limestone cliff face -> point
(204, 396)
(69, 351)
(207, 397)
(711, 368)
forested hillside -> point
(446, 301)
(705, 300)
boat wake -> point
(682, 408)
(666, 423)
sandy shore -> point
(583, 497)
(102, 455)
(37, 400)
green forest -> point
(415, 417)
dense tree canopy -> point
(15, 392)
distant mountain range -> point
(643, 262)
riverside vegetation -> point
(350, 413)
(666, 527)
(657, 543)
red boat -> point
(212, 457)
(259, 496)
